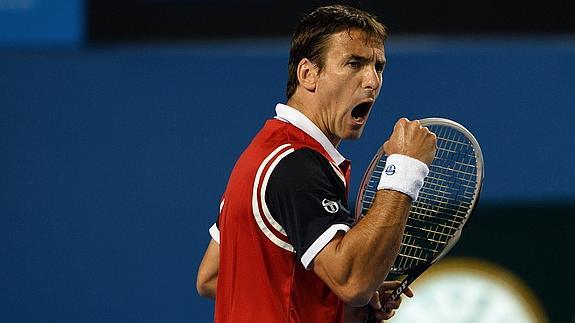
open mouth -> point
(359, 112)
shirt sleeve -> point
(308, 199)
(215, 229)
(215, 232)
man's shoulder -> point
(305, 157)
(303, 167)
(277, 134)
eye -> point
(354, 64)
(379, 67)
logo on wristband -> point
(390, 170)
(330, 206)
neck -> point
(310, 110)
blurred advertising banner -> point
(32, 23)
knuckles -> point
(412, 139)
(413, 127)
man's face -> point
(349, 83)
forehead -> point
(354, 42)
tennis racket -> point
(445, 203)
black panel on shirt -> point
(298, 188)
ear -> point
(307, 74)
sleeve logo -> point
(390, 170)
(330, 206)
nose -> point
(371, 79)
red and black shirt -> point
(285, 200)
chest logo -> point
(330, 206)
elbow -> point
(207, 277)
(201, 287)
(206, 288)
(203, 290)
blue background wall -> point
(53, 23)
(113, 159)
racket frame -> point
(416, 271)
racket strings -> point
(444, 201)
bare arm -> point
(207, 280)
(355, 264)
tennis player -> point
(285, 247)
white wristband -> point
(403, 174)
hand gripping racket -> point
(445, 203)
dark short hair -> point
(312, 33)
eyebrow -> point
(364, 59)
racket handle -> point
(398, 291)
(395, 295)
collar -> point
(288, 114)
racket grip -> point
(396, 293)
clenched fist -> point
(409, 138)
